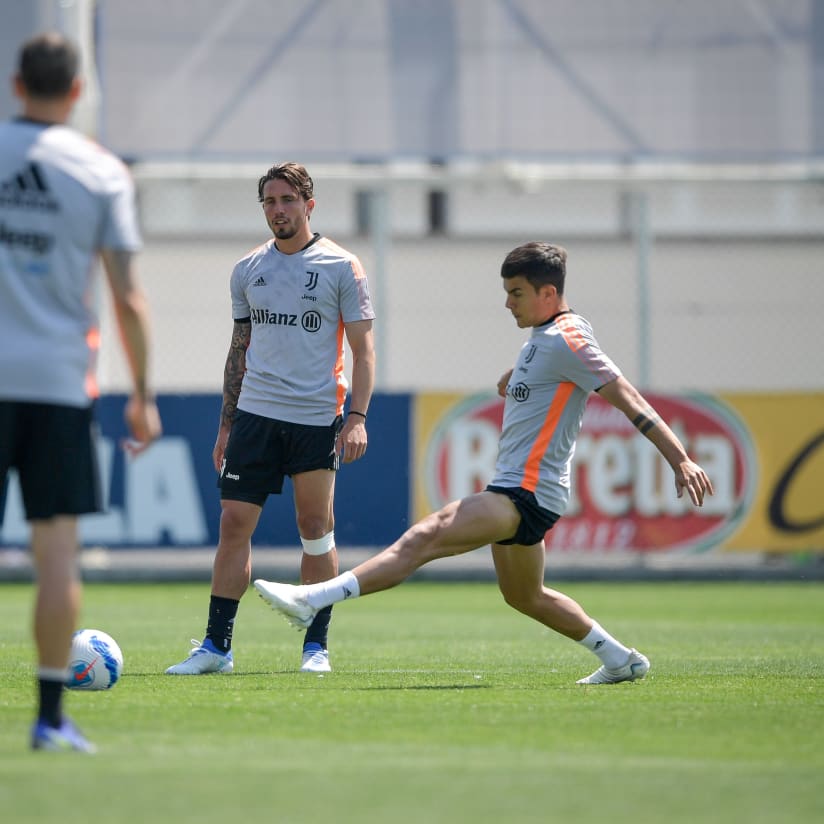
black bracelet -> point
(353, 412)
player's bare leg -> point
(232, 568)
(520, 573)
(57, 605)
(231, 573)
(314, 497)
(457, 528)
(56, 609)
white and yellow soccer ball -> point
(95, 662)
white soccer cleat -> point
(637, 667)
(287, 600)
(315, 659)
(202, 661)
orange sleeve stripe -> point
(553, 415)
(357, 268)
(572, 335)
(93, 342)
(93, 338)
(339, 369)
(91, 387)
(354, 261)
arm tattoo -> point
(643, 423)
(234, 371)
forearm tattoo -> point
(644, 422)
(234, 371)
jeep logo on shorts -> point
(310, 321)
(520, 392)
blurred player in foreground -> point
(545, 393)
(294, 299)
(64, 202)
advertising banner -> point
(787, 511)
(763, 453)
(168, 496)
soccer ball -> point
(95, 662)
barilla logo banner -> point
(622, 490)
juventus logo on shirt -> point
(312, 282)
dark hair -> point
(48, 65)
(539, 262)
(294, 174)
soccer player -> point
(64, 202)
(294, 298)
(546, 392)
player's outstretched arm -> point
(689, 475)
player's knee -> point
(319, 546)
(520, 599)
(236, 522)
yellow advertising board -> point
(787, 510)
(764, 455)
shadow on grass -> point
(307, 678)
(423, 687)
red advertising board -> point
(622, 491)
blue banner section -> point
(168, 496)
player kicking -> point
(545, 393)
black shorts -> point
(535, 520)
(52, 449)
(262, 451)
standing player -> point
(293, 299)
(545, 393)
(63, 201)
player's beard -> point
(284, 231)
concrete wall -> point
(734, 303)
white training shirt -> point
(557, 368)
(298, 305)
(62, 199)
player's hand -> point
(691, 477)
(503, 381)
(220, 447)
(143, 420)
(352, 439)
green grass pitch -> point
(444, 706)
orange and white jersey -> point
(298, 305)
(557, 368)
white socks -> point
(613, 654)
(52, 674)
(324, 593)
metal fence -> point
(690, 284)
(676, 149)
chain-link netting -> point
(735, 310)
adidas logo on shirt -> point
(27, 189)
(259, 282)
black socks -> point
(51, 693)
(222, 612)
(318, 632)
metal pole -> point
(641, 227)
(379, 227)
